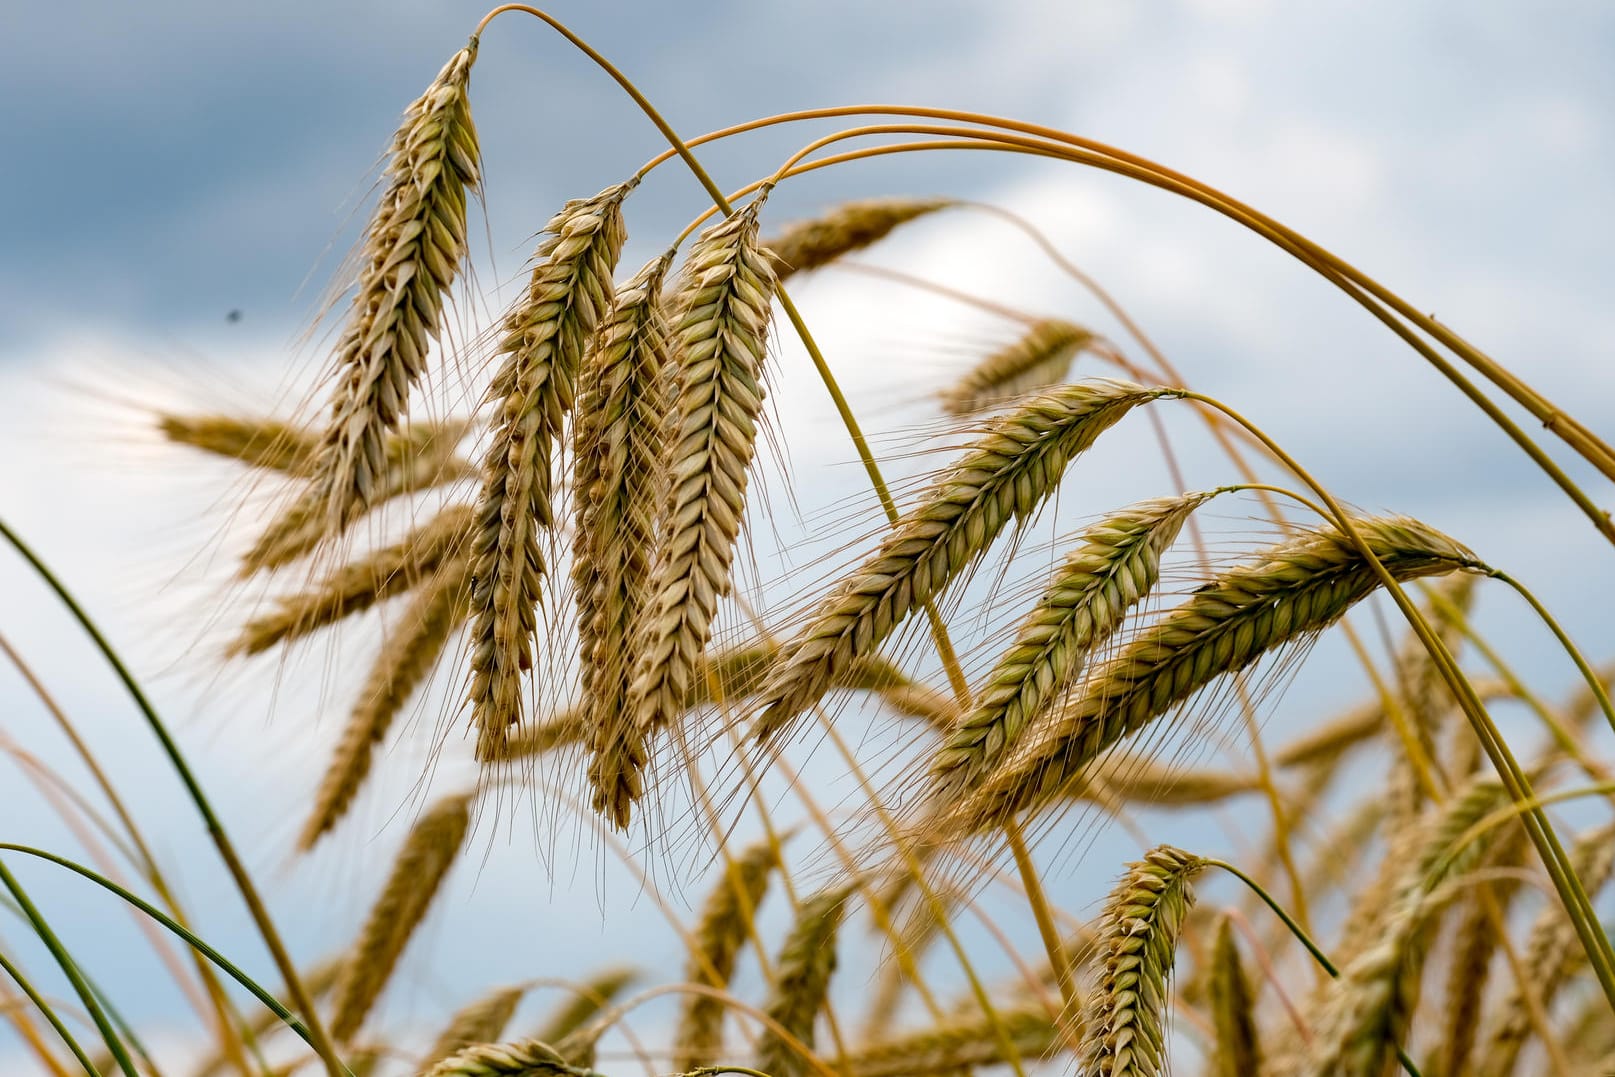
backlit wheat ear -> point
(526, 1058)
(1039, 358)
(1552, 953)
(1237, 1052)
(726, 922)
(1003, 478)
(271, 444)
(590, 998)
(544, 337)
(1125, 1030)
(958, 1046)
(479, 1022)
(415, 879)
(1114, 568)
(619, 436)
(411, 651)
(721, 346)
(1294, 591)
(849, 227)
(357, 586)
(807, 960)
(412, 252)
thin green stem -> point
(1594, 683)
(48, 1012)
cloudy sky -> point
(174, 161)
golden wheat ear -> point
(480, 1021)
(1040, 357)
(525, 1058)
(960, 1045)
(849, 227)
(807, 961)
(1237, 1051)
(728, 918)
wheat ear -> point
(416, 877)
(807, 960)
(544, 337)
(721, 341)
(1295, 590)
(525, 1058)
(588, 1000)
(727, 920)
(360, 584)
(1115, 567)
(481, 1021)
(1125, 1031)
(1233, 1009)
(1003, 477)
(270, 444)
(1040, 357)
(406, 659)
(412, 252)
(851, 226)
(958, 1046)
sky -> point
(172, 162)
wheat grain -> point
(479, 1022)
(1040, 357)
(727, 920)
(849, 227)
(807, 960)
(543, 340)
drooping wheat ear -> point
(1294, 591)
(545, 335)
(1125, 1031)
(1425, 697)
(726, 922)
(418, 557)
(1366, 1011)
(271, 444)
(410, 653)
(412, 252)
(959, 1046)
(1037, 359)
(415, 879)
(422, 458)
(1115, 567)
(807, 960)
(1004, 477)
(1237, 1052)
(1552, 954)
(619, 478)
(590, 998)
(722, 342)
(481, 1021)
(851, 226)
(524, 1058)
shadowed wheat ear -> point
(1037, 359)
(721, 345)
(1125, 1032)
(359, 585)
(1290, 593)
(1115, 567)
(619, 435)
(807, 960)
(851, 226)
(415, 879)
(544, 337)
(958, 1046)
(526, 1058)
(1003, 477)
(406, 659)
(412, 252)
(727, 920)
(1236, 1052)
(479, 1022)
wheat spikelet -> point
(411, 651)
(1295, 590)
(360, 584)
(807, 960)
(725, 925)
(1114, 568)
(1124, 1036)
(1037, 359)
(526, 1058)
(1237, 1052)
(1003, 477)
(412, 251)
(575, 1011)
(544, 337)
(956, 1047)
(722, 342)
(416, 877)
(851, 226)
(1552, 953)
(481, 1021)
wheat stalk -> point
(722, 341)
(1038, 358)
(479, 1022)
(1114, 568)
(1124, 1034)
(851, 226)
(1004, 476)
(412, 252)
(416, 877)
(1295, 590)
(543, 342)
(727, 920)
(1237, 1052)
(807, 960)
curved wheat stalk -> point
(727, 920)
(1040, 357)
(544, 337)
(807, 960)
(849, 227)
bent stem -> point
(49, 1013)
